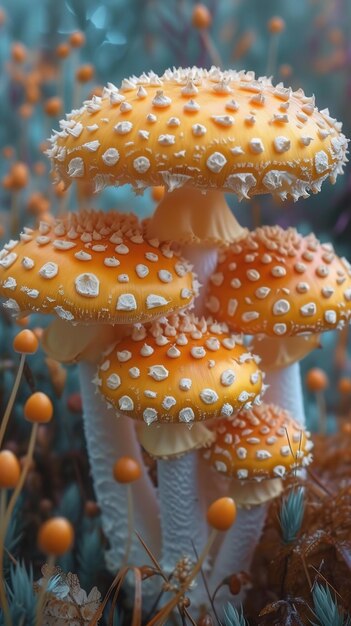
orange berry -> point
(33, 94)
(20, 175)
(38, 408)
(85, 73)
(221, 514)
(8, 152)
(7, 182)
(62, 50)
(25, 111)
(38, 203)
(18, 52)
(285, 70)
(25, 342)
(346, 428)
(39, 168)
(126, 470)
(201, 17)
(10, 470)
(316, 379)
(77, 39)
(276, 25)
(55, 536)
(157, 193)
(53, 106)
(344, 385)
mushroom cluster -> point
(138, 296)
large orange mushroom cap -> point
(203, 128)
(279, 283)
(94, 267)
(264, 442)
(181, 370)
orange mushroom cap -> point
(94, 266)
(56, 536)
(264, 442)
(181, 370)
(10, 469)
(279, 283)
(202, 128)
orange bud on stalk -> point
(316, 379)
(18, 52)
(62, 50)
(126, 470)
(157, 193)
(85, 73)
(201, 17)
(25, 342)
(276, 25)
(56, 536)
(38, 408)
(10, 470)
(77, 39)
(20, 175)
(221, 514)
(344, 386)
(53, 106)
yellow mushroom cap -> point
(179, 370)
(264, 442)
(279, 283)
(203, 128)
(94, 266)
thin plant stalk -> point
(211, 48)
(41, 596)
(12, 398)
(130, 523)
(3, 599)
(322, 411)
(272, 54)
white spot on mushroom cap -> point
(141, 164)
(158, 372)
(126, 302)
(281, 144)
(185, 384)
(123, 128)
(87, 285)
(186, 415)
(111, 156)
(216, 161)
(76, 168)
(49, 270)
(113, 381)
(126, 403)
(153, 301)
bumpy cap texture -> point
(279, 283)
(204, 128)
(94, 266)
(180, 370)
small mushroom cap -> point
(264, 442)
(180, 370)
(203, 128)
(279, 283)
(94, 267)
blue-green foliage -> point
(21, 596)
(326, 609)
(71, 504)
(90, 551)
(233, 617)
(291, 514)
(13, 536)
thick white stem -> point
(183, 522)
(236, 552)
(109, 438)
(285, 390)
(204, 261)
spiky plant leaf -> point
(326, 609)
(21, 596)
(71, 504)
(291, 514)
(233, 617)
(13, 536)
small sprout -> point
(221, 514)
(126, 470)
(77, 39)
(25, 342)
(38, 408)
(19, 175)
(201, 17)
(233, 617)
(10, 470)
(55, 536)
(326, 609)
(276, 25)
(291, 514)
